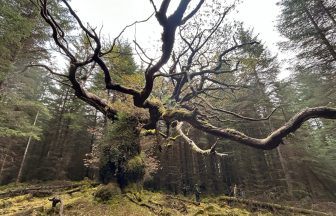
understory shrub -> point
(107, 192)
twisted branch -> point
(194, 146)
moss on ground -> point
(135, 202)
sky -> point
(262, 15)
(114, 15)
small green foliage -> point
(119, 151)
(8, 132)
(148, 132)
(176, 114)
(135, 169)
(106, 192)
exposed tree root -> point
(270, 206)
(152, 208)
(183, 200)
(176, 204)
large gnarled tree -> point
(194, 69)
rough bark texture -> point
(270, 142)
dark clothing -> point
(54, 201)
(185, 190)
(197, 194)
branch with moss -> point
(272, 141)
(194, 146)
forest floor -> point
(79, 199)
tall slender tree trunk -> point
(3, 166)
(59, 127)
(19, 176)
(283, 163)
(327, 11)
(89, 172)
(321, 34)
(1, 85)
(285, 170)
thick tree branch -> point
(193, 145)
(268, 143)
(193, 12)
(56, 33)
(83, 94)
(92, 99)
(169, 25)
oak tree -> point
(196, 56)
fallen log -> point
(270, 206)
(35, 190)
(41, 193)
(73, 191)
(45, 189)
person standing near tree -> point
(197, 192)
(235, 190)
(185, 189)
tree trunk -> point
(284, 166)
(285, 170)
(3, 167)
(321, 34)
(89, 170)
(19, 176)
(327, 11)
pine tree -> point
(310, 28)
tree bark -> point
(283, 164)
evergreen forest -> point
(197, 122)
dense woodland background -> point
(46, 133)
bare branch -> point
(235, 114)
(225, 52)
(143, 52)
(45, 67)
(92, 99)
(154, 6)
(55, 28)
(122, 31)
(73, 13)
(193, 145)
(59, 81)
(169, 25)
